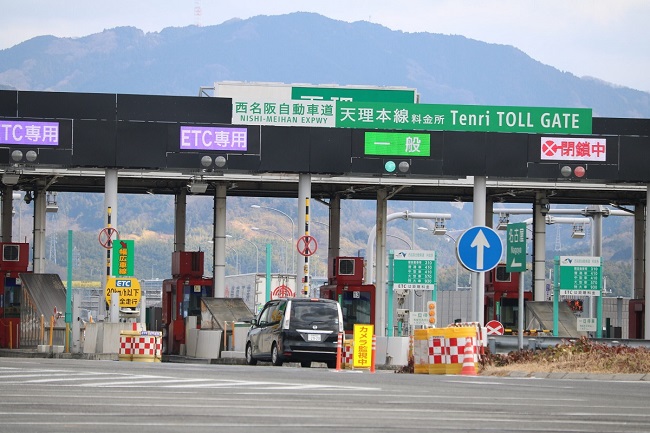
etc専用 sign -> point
(213, 138)
(28, 133)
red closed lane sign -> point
(494, 327)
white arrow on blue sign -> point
(479, 249)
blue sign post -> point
(479, 249)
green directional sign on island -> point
(580, 275)
(414, 269)
(516, 247)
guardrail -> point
(509, 343)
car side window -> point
(278, 312)
(264, 315)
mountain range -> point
(293, 48)
(306, 47)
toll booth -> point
(637, 319)
(14, 261)
(345, 285)
(182, 296)
(502, 296)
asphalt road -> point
(68, 395)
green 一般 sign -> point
(397, 144)
(478, 118)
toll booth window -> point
(11, 298)
(185, 305)
(356, 308)
(192, 295)
(510, 313)
(502, 275)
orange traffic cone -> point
(469, 368)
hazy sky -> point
(605, 39)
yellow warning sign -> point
(363, 345)
(127, 288)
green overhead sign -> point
(436, 117)
(318, 93)
(397, 144)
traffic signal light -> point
(392, 166)
(573, 171)
(431, 307)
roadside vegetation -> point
(579, 356)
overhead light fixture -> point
(504, 219)
(10, 178)
(150, 191)
(439, 227)
(28, 197)
(51, 205)
(578, 231)
(197, 186)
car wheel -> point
(275, 356)
(305, 364)
(331, 364)
(249, 355)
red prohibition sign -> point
(307, 245)
(106, 236)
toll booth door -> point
(357, 308)
(192, 295)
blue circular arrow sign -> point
(479, 249)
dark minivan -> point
(303, 330)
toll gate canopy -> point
(160, 143)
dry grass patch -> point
(581, 356)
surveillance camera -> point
(401, 312)
(544, 209)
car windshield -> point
(308, 314)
